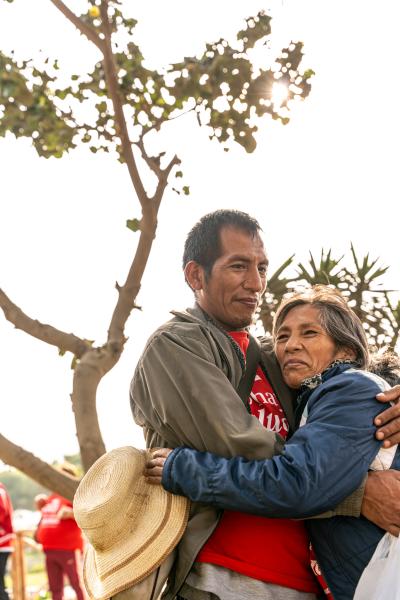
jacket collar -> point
(269, 363)
(311, 383)
(335, 368)
(191, 315)
(196, 313)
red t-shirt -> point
(271, 550)
(6, 527)
(55, 533)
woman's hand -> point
(154, 467)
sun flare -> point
(279, 94)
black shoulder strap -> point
(253, 356)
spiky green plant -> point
(360, 282)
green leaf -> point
(102, 106)
(133, 224)
(220, 85)
(186, 190)
(308, 73)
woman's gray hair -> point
(336, 317)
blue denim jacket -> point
(321, 464)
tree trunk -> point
(37, 469)
(88, 373)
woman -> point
(322, 350)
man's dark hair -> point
(203, 243)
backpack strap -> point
(253, 357)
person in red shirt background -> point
(6, 536)
(61, 539)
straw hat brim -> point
(144, 545)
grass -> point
(38, 580)
(35, 582)
(36, 577)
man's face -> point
(237, 281)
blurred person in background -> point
(6, 536)
(61, 539)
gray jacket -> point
(183, 393)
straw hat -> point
(131, 526)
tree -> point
(126, 106)
(359, 282)
(22, 489)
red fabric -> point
(262, 401)
(6, 511)
(58, 564)
(317, 571)
(272, 550)
(55, 533)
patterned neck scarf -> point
(310, 383)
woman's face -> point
(302, 346)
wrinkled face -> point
(233, 290)
(302, 346)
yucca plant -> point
(327, 271)
(360, 283)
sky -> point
(328, 178)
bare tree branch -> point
(182, 114)
(36, 468)
(158, 122)
(110, 72)
(151, 161)
(163, 180)
(128, 292)
(98, 361)
(67, 342)
(85, 29)
(87, 375)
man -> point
(6, 536)
(184, 392)
(61, 539)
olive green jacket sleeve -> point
(184, 389)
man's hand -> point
(154, 467)
(381, 503)
(65, 512)
(388, 421)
